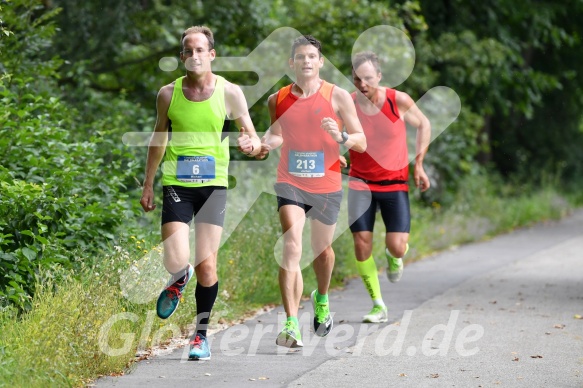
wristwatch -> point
(344, 138)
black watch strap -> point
(344, 138)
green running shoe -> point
(378, 314)
(395, 269)
(322, 319)
(290, 336)
(169, 298)
(199, 348)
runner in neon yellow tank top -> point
(196, 156)
(194, 108)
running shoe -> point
(199, 348)
(378, 314)
(169, 299)
(322, 319)
(395, 270)
(290, 336)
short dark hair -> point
(200, 29)
(305, 40)
(366, 56)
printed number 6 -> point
(195, 169)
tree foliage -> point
(63, 180)
(75, 76)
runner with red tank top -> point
(384, 166)
(307, 118)
(379, 177)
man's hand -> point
(244, 142)
(265, 148)
(331, 126)
(147, 200)
(343, 163)
(421, 179)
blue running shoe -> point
(199, 348)
(170, 298)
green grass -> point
(65, 340)
(57, 342)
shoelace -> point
(173, 292)
(197, 341)
(377, 309)
(394, 263)
(320, 311)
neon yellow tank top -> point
(195, 155)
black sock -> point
(205, 299)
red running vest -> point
(309, 155)
(386, 156)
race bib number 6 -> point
(195, 169)
(306, 164)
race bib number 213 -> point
(306, 164)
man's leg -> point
(207, 237)
(396, 243)
(176, 246)
(362, 212)
(367, 268)
(292, 220)
(291, 283)
(321, 239)
(208, 228)
(176, 256)
(396, 216)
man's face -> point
(306, 61)
(195, 54)
(366, 79)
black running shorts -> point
(206, 204)
(394, 206)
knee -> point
(175, 262)
(361, 245)
(206, 273)
(292, 248)
(326, 253)
(397, 249)
(362, 248)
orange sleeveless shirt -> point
(309, 155)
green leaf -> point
(42, 240)
(29, 253)
(27, 233)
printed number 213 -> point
(306, 164)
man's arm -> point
(157, 146)
(272, 138)
(343, 104)
(412, 115)
(236, 105)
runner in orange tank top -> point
(379, 176)
(307, 118)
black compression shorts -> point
(394, 206)
(206, 204)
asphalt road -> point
(503, 312)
